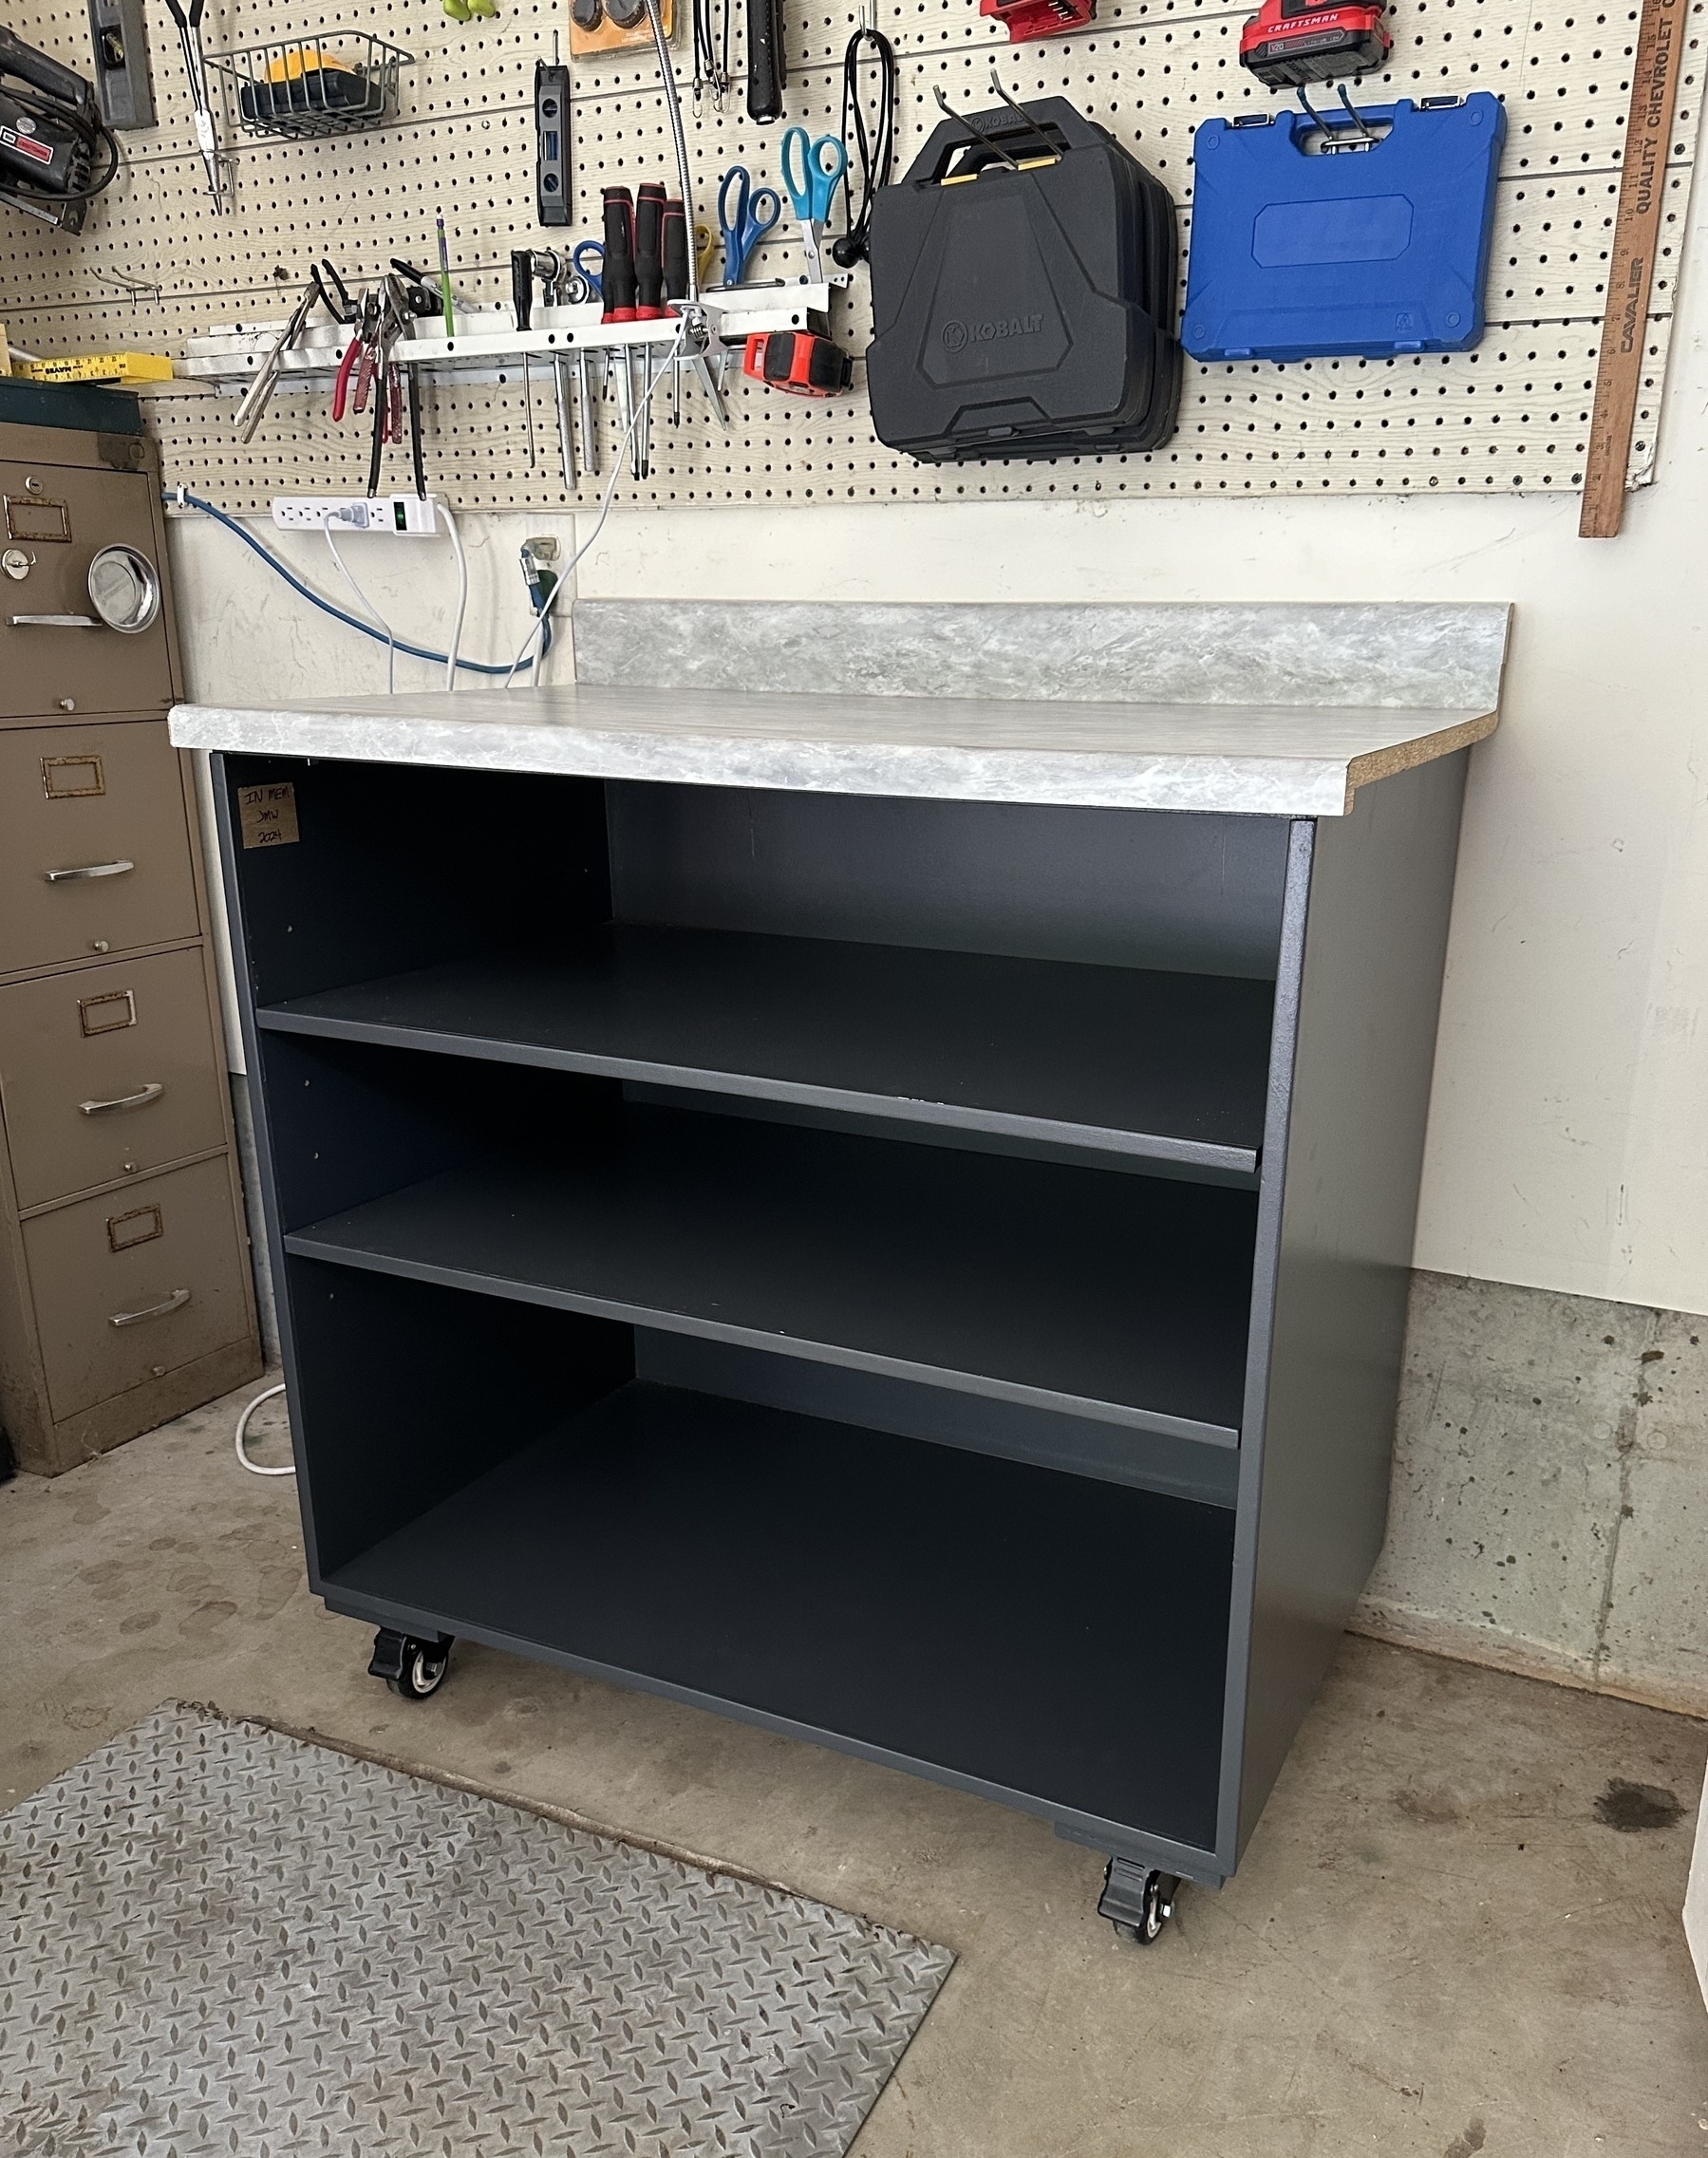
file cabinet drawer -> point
(94, 843)
(54, 519)
(129, 1286)
(107, 1071)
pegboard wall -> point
(155, 266)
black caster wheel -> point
(413, 1669)
(1136, 1902)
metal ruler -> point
(1659, 56)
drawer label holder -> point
(106, 1014)
(71, 779)
(141, 1226)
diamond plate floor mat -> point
(217, 1941)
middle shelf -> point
(1100, 1294)
(1173, 1067)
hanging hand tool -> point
(766, 68)
(648, 302)
(674, 252)
(745, 222)
(420, 300)
(593, 269)
(259, 393)
(418, 295)
(522, 293)
(551, 140)
(586, 260)
(584, 282)
(798, 361)
(617, 291)
(333, 296)
(189, 37)
(445, 280)
(351, 358)
(525, 265)
(396, 321)
(823, 162)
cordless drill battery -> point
(1288, 43)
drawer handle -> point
(90, 869)
(51, 622)
(176, 1301)
(152, 1092)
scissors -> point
(822, 165)
(757, 209)
(594, 268)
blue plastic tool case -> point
(1309, 241)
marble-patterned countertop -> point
(1258, 760)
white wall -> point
(1569, 1135)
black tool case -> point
(1023, 290)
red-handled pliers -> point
(352, 352)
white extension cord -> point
(451, 655)
(255, 1468)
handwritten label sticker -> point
(268, 815)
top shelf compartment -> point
(1169, 1066)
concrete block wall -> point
(1551, 1490)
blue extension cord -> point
(181, 497)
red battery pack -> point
(797, 360)
(1288, 43)
(1025, 20)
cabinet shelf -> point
(1171, 1066)
(1104, 1295)
(1040, 1632)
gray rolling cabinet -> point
(883, 1214)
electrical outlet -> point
(409, 516)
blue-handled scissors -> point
(757, 209)
(594, 268)
(822, 165)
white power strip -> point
(409, 516)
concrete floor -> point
(1437, 1945)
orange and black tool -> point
(799, 361)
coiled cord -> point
(873, 149)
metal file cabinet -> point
(126, 1295)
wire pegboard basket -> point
(330, 84)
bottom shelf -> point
(1060, 1638)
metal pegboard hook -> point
(1032, 126)
(1352, 114)
(961, 121)
(138, 288)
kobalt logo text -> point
(957, 336)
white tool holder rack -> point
(488, 345)
(155, 268)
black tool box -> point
(1024, 290)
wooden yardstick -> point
(1631, 266)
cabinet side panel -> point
(1316, 1483)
